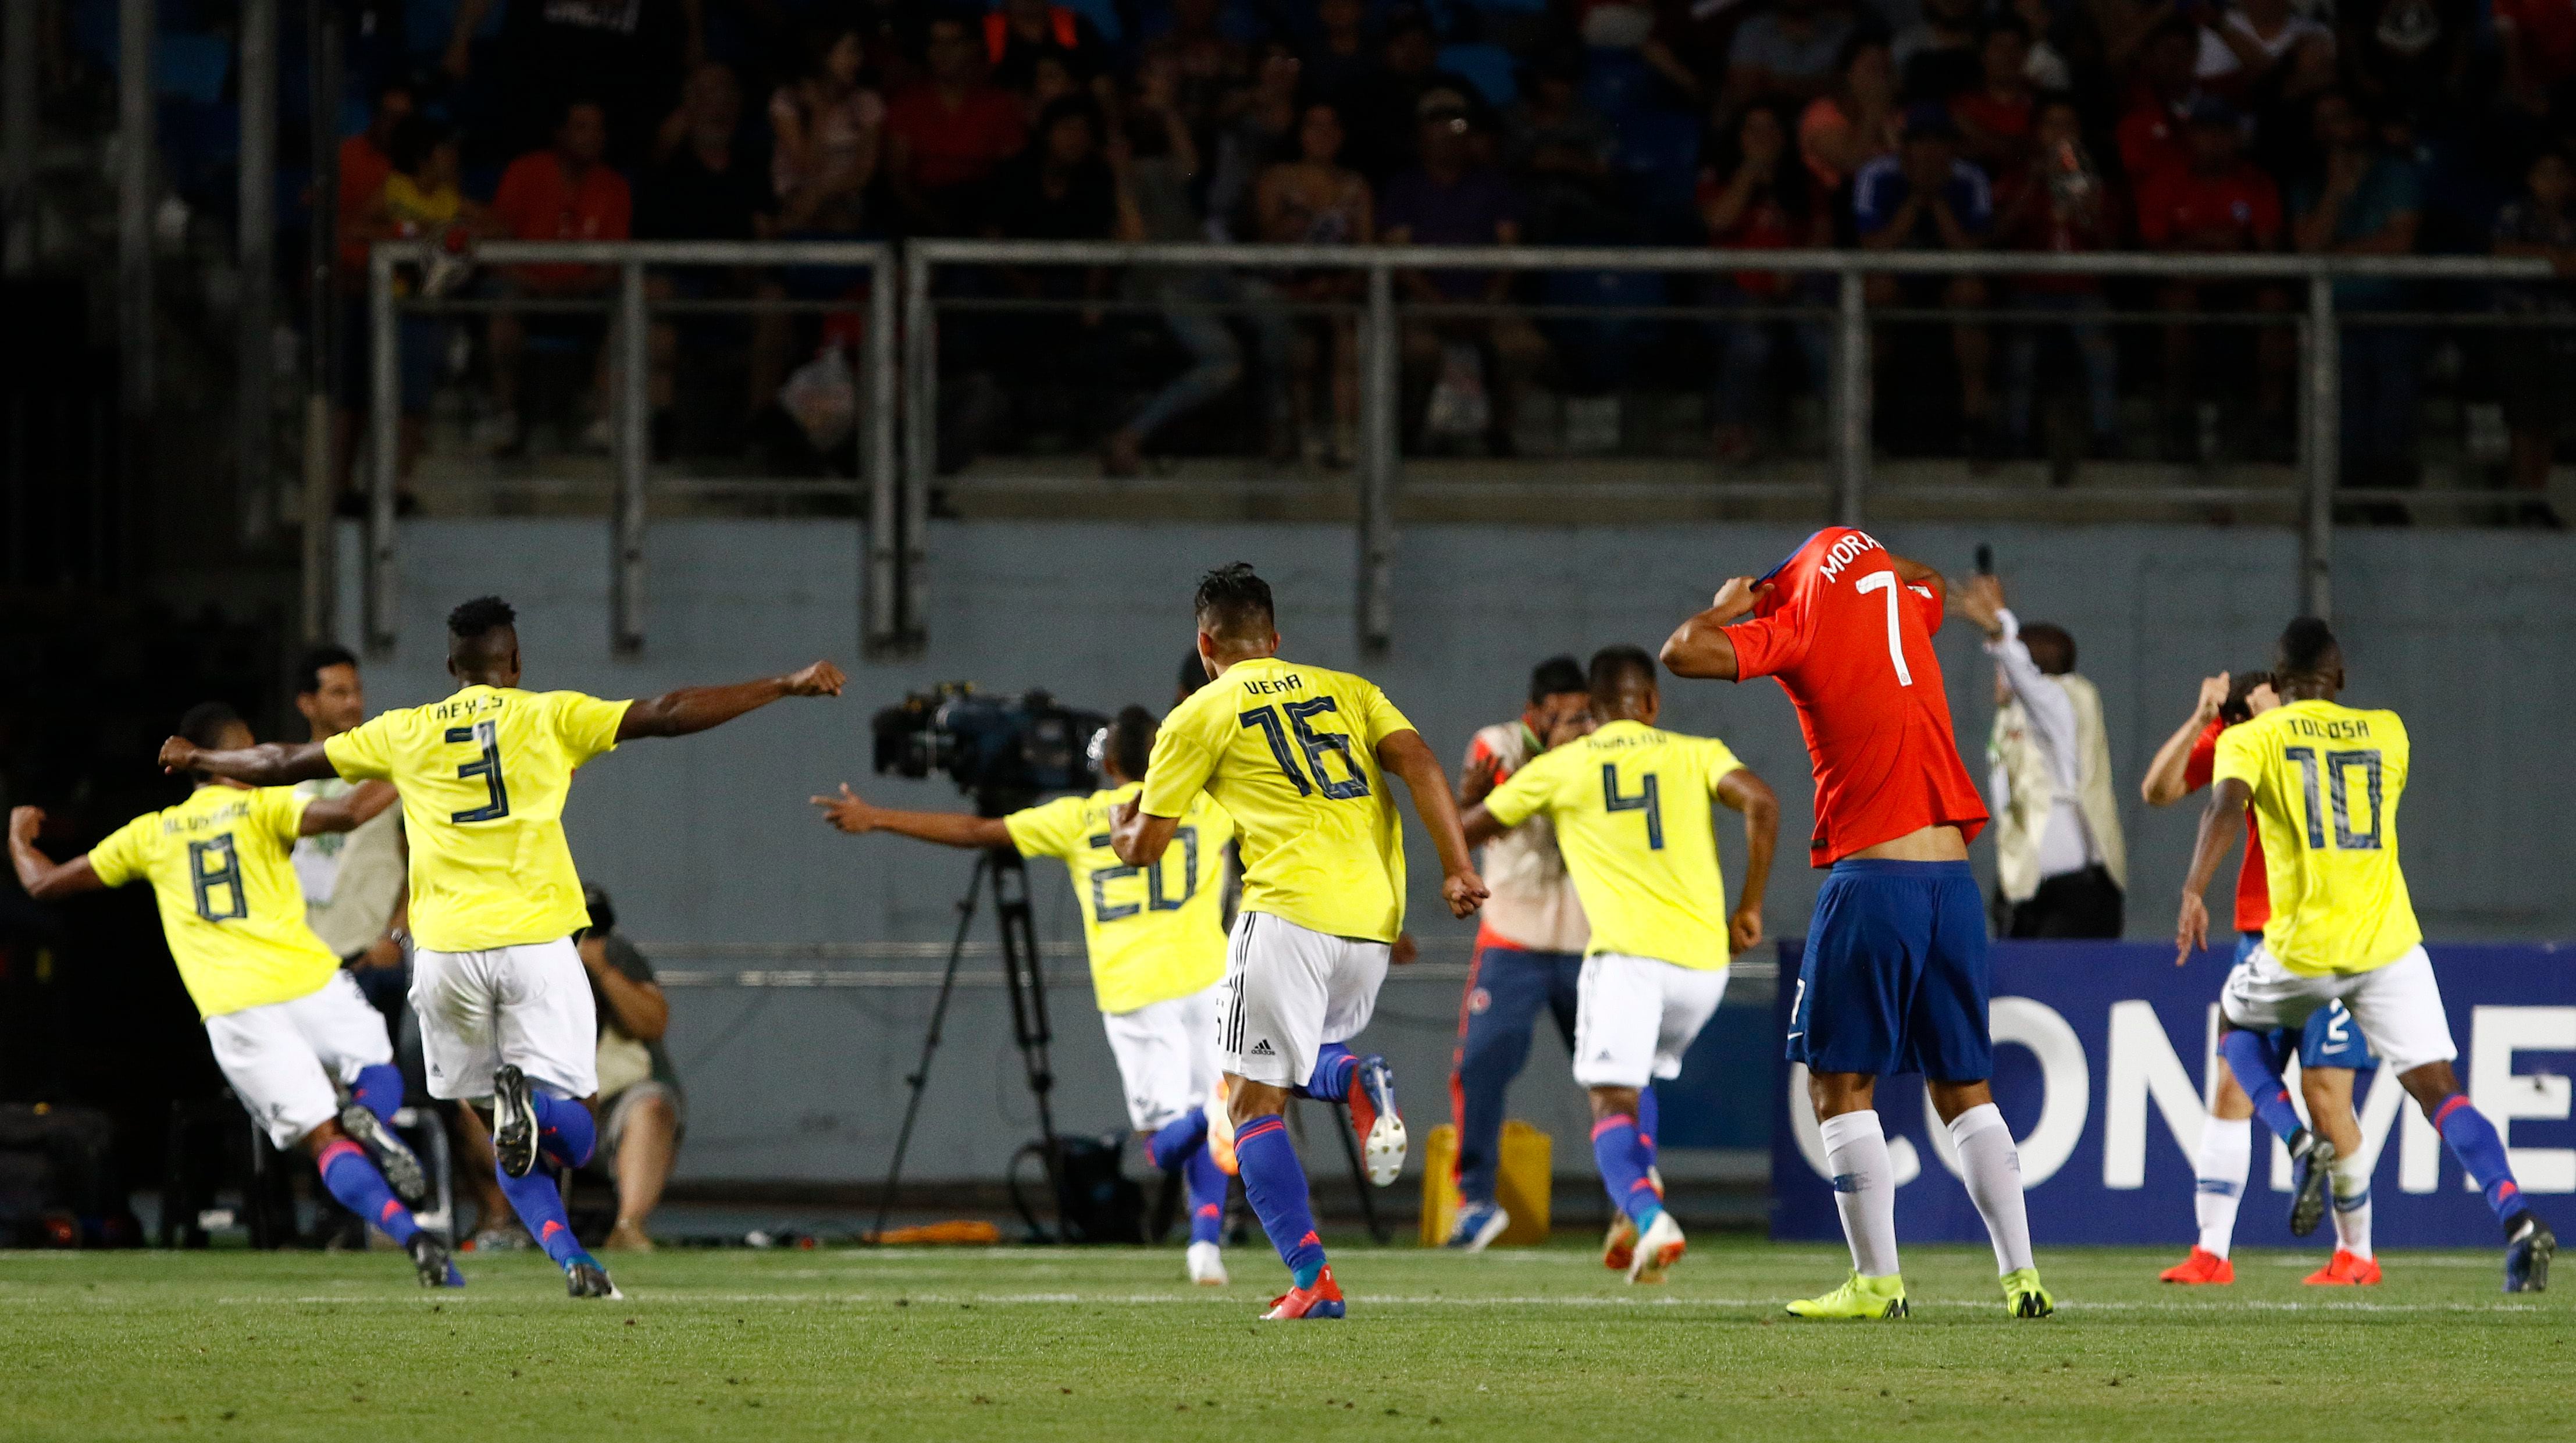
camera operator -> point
(1155, 940)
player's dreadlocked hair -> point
(1618, 668)
(1556, 675)
(2308, 650)
(205, 724)
(1131, 741)
(480, 617)
(1234, 605)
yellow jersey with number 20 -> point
(230, 905)
(1154, 933)
(1290, 752)
(1630, 805)
(2326, 781)
(483, 777)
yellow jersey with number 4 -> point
(1290, 752)
(1631, 808)
(1153, 933)
(483, 777)
(2326, 781)
(230, 905)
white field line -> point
(1215, 1299)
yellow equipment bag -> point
(1522, 1186)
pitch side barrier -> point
(2105, 1054)
(898, 378)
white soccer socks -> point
(2226, 1155)
(1991, 1166)
(1865, 1190)
(2352, 1206)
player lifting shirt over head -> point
(505, 1009)
(1894, 978)
(1299, 756)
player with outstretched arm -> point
(1894, 979)
(1156, 939)
(506, 1017)
(1299, 756)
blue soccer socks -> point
(1331, 1079)
(540, 1207)
(1206, 1189)
(2249, 1056)
(1274, 1182)
(1622, 1158)
(566, 1132)
(354, 1180)
(2475, 1143)
(379, 1089)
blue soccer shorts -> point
(1894, 979)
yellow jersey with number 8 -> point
(1153, 933)
(2326, 780)
(1631, 807)
(1290, 752)
(483, 777)
(230, 905)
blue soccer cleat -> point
(1478, 1225)
(2527, 1253)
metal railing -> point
(896, 582)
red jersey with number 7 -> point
(1851, 644)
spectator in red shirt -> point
(945, 135)
(2219, 204)
(564, 192)
(365, 164)
(1995, 118)
(2538, 38)
(2059, 202)
(2151, 135)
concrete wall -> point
(709, 840)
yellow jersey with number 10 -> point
(1290, 752)
(1153, 933)
(1631, 807)
(230, 905)
(2326, 781)
(483, 777)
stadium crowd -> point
(2361, 127)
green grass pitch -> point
(1102, 1345)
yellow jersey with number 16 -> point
(1631, 807)
(1153, 933)
(2326, 780)
(1290, 752)
(483, 776)
(230, 905)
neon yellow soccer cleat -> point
(1858, 1297)
(2024, 1297)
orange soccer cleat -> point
(2203, 1266)
(1220, 1133)
(2346, 1270)
(1321, 1299)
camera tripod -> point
(1009, 878)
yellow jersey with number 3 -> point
(1631, 808)
(1153, 933)
(230, 905)
(2326, 781)
(1290, 752)
(483, 777)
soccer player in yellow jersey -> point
(2324, 780)
(505, 1010)
(1156, 938)
(1299, 756)
(284, 1021)
(1631, 809)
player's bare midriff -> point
(1938, 843)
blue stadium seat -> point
(191, 67)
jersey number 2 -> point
(1886, 581)
(214, 867)
(486, 735)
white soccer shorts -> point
(1634, 1017)
(1166, 1055)
(2398, 1007)
(1288, 991)
(282, 1058)
(528, 1006)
